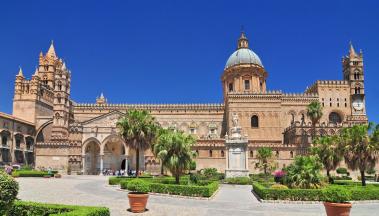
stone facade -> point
(17, 141)
(83, 137)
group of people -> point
(111, 172)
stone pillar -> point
(101, 164)
(83, 164)
(126, 165)
(236, 145)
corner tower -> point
(353, 72)
(244, 71)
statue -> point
(235, 120)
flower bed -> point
(37, 209)
(369, 192)
(168, 186)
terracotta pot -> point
(57, 175)
(137, 201)
(337, 209)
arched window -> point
(291, 154)
(335, 118)
(230, 87)
(4, 140)
(277, 154)
(197, 152)
(222, 153)
(45, 80)
(59, 98)
(254, 121)
(251, 154)
(60, 86)
(210, 153)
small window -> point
(18, 143)
(210, 153)
(60, 86)
(247, 84)
(4, 140)
(230, 87)
(335, 117)
(192, 131)
(251, 154)
(254, 121)
(291, 154)
(277, 154)
(222, 153)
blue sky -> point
(175, 51)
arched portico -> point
(113, 154)
(91, 156)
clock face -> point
(358, 104)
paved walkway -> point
(229, 201)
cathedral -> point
(49, 129)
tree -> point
(174, 150)
(265, 160)
(161, 139)
(139, 130)
(314, 112)
(304, 173)
(361, 147)
(329, 152)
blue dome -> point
(243, 56)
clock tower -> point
(352, 65)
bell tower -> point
(61, 107)
(353, 72)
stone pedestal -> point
(237, 160)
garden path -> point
(229, 201)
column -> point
(101, 164)
(126, 165)
(83, 164)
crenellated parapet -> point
(327, 83)
(150, 107)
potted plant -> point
(336, 201)
(138, 195)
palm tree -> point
(361, 147)
(174, 150)
(329, 152)
(265, 160)
(304, 173)
(139, 130)
(314, 112)
(160, 144)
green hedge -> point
(287, 194)
(369, 192)
(29, 173)
(21, 208)
(202, 189)
(238, 180)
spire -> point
(36, 72)
(101, 99)
(243, 42)
(51, 51)
(352, 52)
(20, 73)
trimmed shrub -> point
(8, 192)
(261, 177)
(287, 194)
(336, 195)
(278, 187)
(202, 188)
(138, 185)
(115, 180)
(238, 180)
(185, 190)
(21, 208)
(341, 170)
(29, 173)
